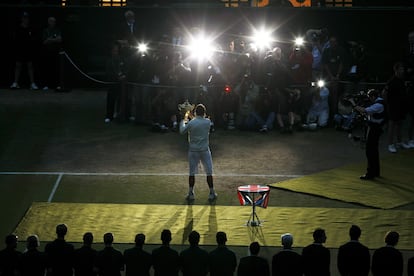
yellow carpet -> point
(125, 220)
(394, 188)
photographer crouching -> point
(375, 119)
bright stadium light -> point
(201, 47)
(299, 41)
(321, 83)
(262, 39)
(142, 48)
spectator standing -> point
(333, 59)
(388, 260)
(24, 47)
(316, 257)
(300, 62)
(32, 262)
(313, 36)
(179, 75)
(287, 99)
(137, 261)
(356, 72)
(116, 74)
(253, 264)
(9, 256)
(198, 129)
(194, 260)
(410, 88)
(128, 31)
(354, 257)
(229, 63)
(109, 261)
(59, 254)
(287, 262)
(52, 44)
(84, 257)
(222, 261)
(276, 70)
(395, 102)
(166, 261)
(248, 92)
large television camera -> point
(357, 99)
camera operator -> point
(375, 118)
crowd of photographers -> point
(245, 82)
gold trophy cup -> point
(186, 109)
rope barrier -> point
(131, 83)
(83, 73)
(195, 87)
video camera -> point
(360, 99)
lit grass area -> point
(394, 188)
(148, 189)
(124, 220)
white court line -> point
(147, 174)
(52, 193)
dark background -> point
(88, 31)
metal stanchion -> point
(61, 86)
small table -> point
(254, 195)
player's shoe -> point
(212, 196)
(190, 197)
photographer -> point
(247, 92)
(375, 118)
(116, 74)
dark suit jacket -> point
(287, 263)
(253, 265)
(387, 261)
(316, 260)
(166, 261)
(137, 261)
(353, 259)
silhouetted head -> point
(373, 93)
(287, 240)
(139, 240)
(166, 236)
(254, 248)
(194, 238)
(11, 241)
(355, 232)
(61, 230)
(319, 235)
(221, 238)
(108, 238)
(399, 69)
(130, 16)
(391, 238)
(33, 241)
(88, 238)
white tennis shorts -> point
(195, 157)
